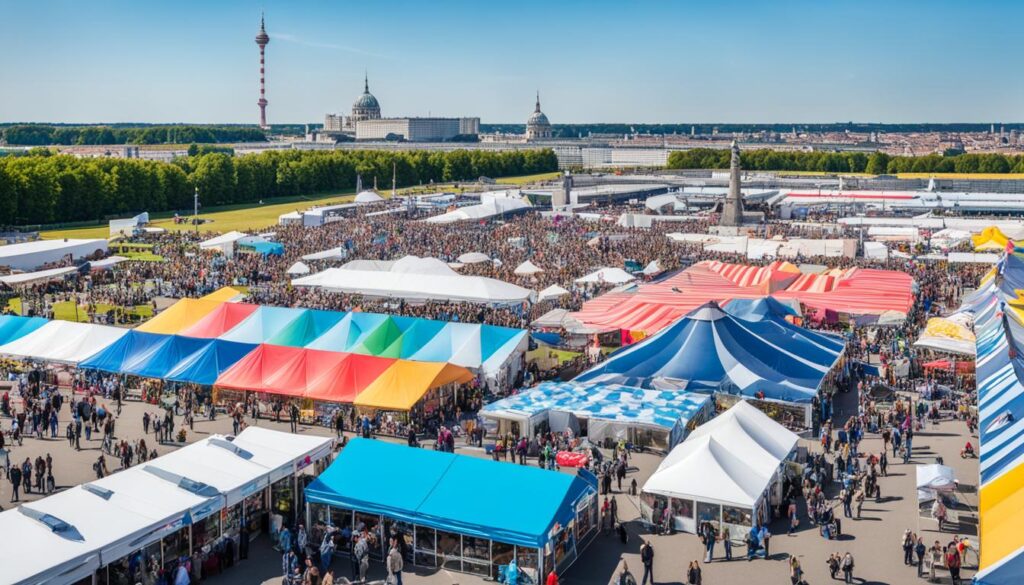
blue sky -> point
(592, 60)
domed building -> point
(366, 107)
(537, 125)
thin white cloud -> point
(290, 38)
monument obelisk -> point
(732, 208)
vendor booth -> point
(451, 523)
(727, 472)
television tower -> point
(262, 38)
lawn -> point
(253, 217)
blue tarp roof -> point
(263, 324)
(757, 309)
(172, 357)
(444, 491)
(712, 351)
(15, 327)
(267, 248)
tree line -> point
(877, 163)
(46, 134)
(41, 189)
(576, 130)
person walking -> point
(693, 574)
(394, 563)
(647, 558)
(919, 550)
(908, 547)
(727, 543)
(15, 476)
(796, 572)
(847, 567)
(833, 563)
(766, 537)
(953, 564)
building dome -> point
(537, 125)
(366, 107)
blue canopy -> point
(304, 330)
(443, 491)
(757, 309)
(171, 357)
(15, 327)
(263, 324)
(267, 248)
(712, 351)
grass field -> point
(254, 217)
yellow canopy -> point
(942, 327)
(990, 238)
(1002, 515)
(179, 316)
(403, 384)
(223, 295)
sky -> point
(640, 61)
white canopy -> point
(63, 342)
(932, 479)
(368, 197)
(732, 459)
(31, 255)
(491, 208)
(298, 268)
(33, 277)
(338, 253)
(282, 453)
(552, 292)
(106, 262)
(607, 276)
(223, 239)
(653, 267)
(473, 258)
(68, 558)
(527, 269)
(435, 281)
(876, 250)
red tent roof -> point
(306, 373)
(220, 320)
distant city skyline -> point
(593, 61)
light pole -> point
(195, 209)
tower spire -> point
(536, 108)
(262, 39)
(366, 82)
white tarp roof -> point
(607, 276)
(282, 453)
(527, 269)
(338, 253)
(552, 292)
(66, 560)
(473, 258)
(106, 262)
(932, 479)
(31, 277)
(31, 255)
(231, 474)
(730, 459)
(971, 257)
(653, 267)
(494, 206)
(63, 342)
(435, 281)
(225, 242)
(298, 268)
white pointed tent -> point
(368, 197)
(724, 471)
(527, 269)
(473, 258)
(298, 268)
(552, 292)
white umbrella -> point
(474, 258)
(552, 292)
(527, 269)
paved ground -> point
(873, 540)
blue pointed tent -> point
(206, 364)
(129, 353)
(712, 351)
(15, 327)
(264, 323)
(757, 309)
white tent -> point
(106, 262)
(68, 558)
(876, 250)
(552, 292)
(434, 281)
(473, 258)
(29, 278)
(368, 197)
(492, 208)
(282, 453)
(31, 255)
(224, 243)
(607, 276)
(338, 253)
(653, 267)
(298, 268)
(527, 269)
(63, 342)
(728, 466)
